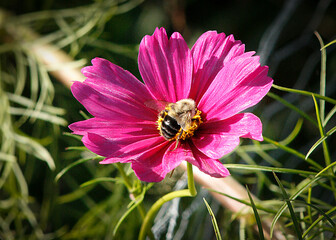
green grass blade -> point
(77, 148)
(135, 203)
(7, 157)
(321, 129)
(318, 142)
(256, 215)
(20, 178)
(329, 115)
(67, 168)
(98, 180)
(247, 203)
(329, 44)
(294, 152)
(294, 133)
(38, 115)
(21, 72)
(290, 207)
(293, 107)
(34, 148)
(326, 153)
(214, 221)
(78, 137)
(28, 103)
(130, 51)
(322, 76)
(268, 169)
(293, 197)
(332, 223)
(306, 93)
(84, 115)
(325, 169)
(318, 220)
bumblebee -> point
(179, 120)
(177, 117)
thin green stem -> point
(307, 93)
(190, 192)
(128, 185)
(156, 206)
(191, 182)
(127, 182)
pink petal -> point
(166, 65)
(210, 166)
(118, 107)
(148, 167)
(117, 142)
(210, 53)
(215, 139)
(99, 144)
(132, 150)
(112, 129)
(173, 157)
(152, 163)
(112, 80)
(113, 149)
(240, 84)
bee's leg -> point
(177, 140)
(171, 174)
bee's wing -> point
(157, 105)
(185, 121)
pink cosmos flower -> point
(220, 78)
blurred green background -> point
(35, 107)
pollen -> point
(181, 134)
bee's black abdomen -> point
(169, 127)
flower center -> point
(179, 121)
